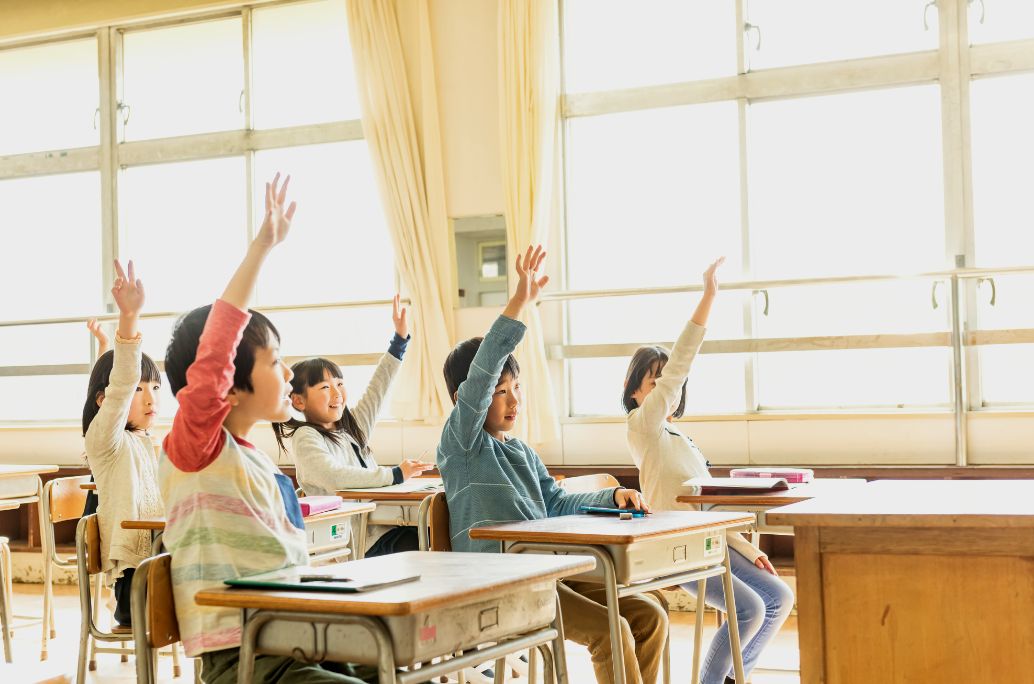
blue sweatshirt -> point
(487, 481)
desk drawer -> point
(419, 638)
(19, 486)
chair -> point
(154, 616)
(63, 499)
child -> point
(121, 406)
(229, 511)
(655, 391)
(492, 478)
(331, 449)
(97, 330)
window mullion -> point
(109, 54)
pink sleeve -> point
(197, 434)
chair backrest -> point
(64, 498)
(438, 517)
(161, 609)
(90, 544)
(588, 483)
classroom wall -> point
(463, 35)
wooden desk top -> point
(445, 579)
(787, 496)
(21, 470)
(384, 497)
(346, 510)
(608, 529)
(918, 503)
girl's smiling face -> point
(324, 402)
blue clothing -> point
(397, 347)
(763, 602)
(488, 481)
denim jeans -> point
(763, 602)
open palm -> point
(529, 284)
(277, 221)
(128, 290)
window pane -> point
(808, 31)
(1006, 371)
(716, 385)
(39, 345)
(661, 41)
(854, 378)
(339, 248)
(650, 318)
(53, 224)
(51, 93)
(846, 184)
(670, 177)
(43, 397)
(302, 65)
(184, 79)
(1002, 20)
(1003, 145)
(184, 227)
(327, 332)
(853, 309)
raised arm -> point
(108, 428)
(662, 401)
(369, 405)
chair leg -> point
(176, 671)
(48, 598)
(95, 603)
(85, 643)
(5, 600)
(9, 569)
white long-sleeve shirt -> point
(665, 457)
(124, 466)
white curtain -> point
(405, 145)
(529, 113)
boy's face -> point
(506, 404)
(270, 398)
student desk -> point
(759, 503)
(421, 500)
(916, 581)
(636, 556)
(327, 532)
(462, 600)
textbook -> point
(327, 578)
(415, 484)
(311, 505)
(791, 475)
(737, 485)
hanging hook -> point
(983, 10)
(749, 28)
(933, 294)
(96, 115)
(764, 312)
(240, 102)
(926, 10)
(125, 109)
(994, 289)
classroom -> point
(517, 341)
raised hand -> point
(277, 221)
(529, 284)
(411, 467)
(128, 290)
(711, 276)
(398, 317)
(97, 330)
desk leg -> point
(614, 614)
(698, 631)
(559, 653)
(734, 623)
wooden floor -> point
(782, 655)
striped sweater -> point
(488, 481)
(226, 503)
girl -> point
(331, 446)
(654, 393)
(121, 406)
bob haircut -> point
(100, 377)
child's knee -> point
(750, 613)
(781, 599)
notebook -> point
(311, 505)
(327, 578)
(737, 485)
(416, 484)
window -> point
(820, 172)
(188, 190)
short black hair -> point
(182, 349)
(457, 364)
(100, 378)
(647, 360)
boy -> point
(493, 478)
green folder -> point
(305, 578)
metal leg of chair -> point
(533, 656)
(96, 595)
(48, 598)
(5, 600)
(500, 671)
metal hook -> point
(240, 102)
(754, 28)
(926, 9)
(983, 10)
(96, 115)
(994, 289)
(125, 109)
(764, 312)
(933, 294)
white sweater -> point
(324, 467)
(665, 457)
(125, 467)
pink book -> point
(791, 475)
(311, 505)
